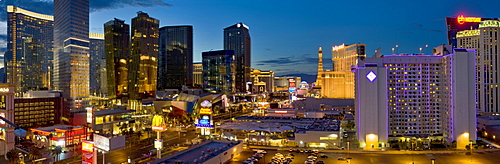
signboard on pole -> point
(87, 152)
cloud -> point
(3, 42)
(97, 5)
(39, 6)
(3, 28)
(302, 59)
(47, 6)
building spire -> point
(320, 67)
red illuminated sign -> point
(87, 146)
(461, 19)
(159, 128)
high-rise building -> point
(319, 79)
(71, 50)
(285, 83)
(175, 64)
(219, 71)
(29, 54)
(484, 40)
(98, 81)
(143, 60)
(339, 83)
(262, 80)
(198, 74)
(237, 38)
(416, 98)
(461, 23)
(117, 47)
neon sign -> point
(87, 146)
(4, 89)
(461, 19)
(281, 111)
(371, 76)
(204, 121)
(206, 111)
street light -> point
(348, 148)
(470, 147)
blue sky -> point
(286, 34)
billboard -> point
(2, 122)
(87, 152)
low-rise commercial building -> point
(208, 152)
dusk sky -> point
(286, 34)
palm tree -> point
(35, 153)
(13, 155)
(55, 151)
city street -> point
(491, 157)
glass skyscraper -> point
(143, 61)
(219, 70)
(237, 38)
(71, 49)
(29, 55)
(98, 85)
(117, 38)
(175, 66)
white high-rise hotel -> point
(399, 97)
(485, 41)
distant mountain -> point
(305, 77)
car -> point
(320, 162)
(323, 156)
(341, 158)
(290, 150)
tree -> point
(350, 125)
(55, 151)
(35, 153)
(13, 155)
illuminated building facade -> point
(461, 23)
(117, 47)
(339, 83)
(175, 63)
(284, 84)
(31, 112)
(59, 135)
(197, 74)
(219, 71)
(485, 41)
(143, 61)
(7, 137)
(29, 49)
(400, 97)
(237, 38)
(71, 50)
(98, 85)
(263, 81)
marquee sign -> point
(461, 19)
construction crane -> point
(17, 130)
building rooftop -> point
(199, 153)
(111, 112)
(300, 124)
(60, 127)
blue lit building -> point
(219, 71)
